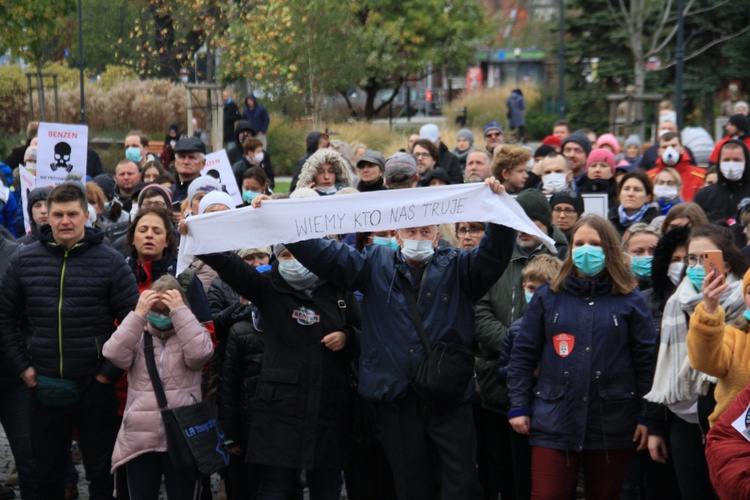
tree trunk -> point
(372, 88)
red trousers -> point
(554, 473)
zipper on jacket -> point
(59, 307)
(617, 325)
(554, 320)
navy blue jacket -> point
(453, 281)
(72, 299)
(258, 116)
(593, 397)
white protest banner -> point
(287, 221)
(217, 163)
(28, 183)
(62, 149)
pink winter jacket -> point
(180, 357)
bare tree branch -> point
(671, 34)
(700, 51)
(617, 17)
(664, 16)
(699, 11)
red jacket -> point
(728, 453)
(714, 159)
(692, 175)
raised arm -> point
(242, 277)
(709, 349)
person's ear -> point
(436, 240)
(399, 239)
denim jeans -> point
(14, 417)
(145, 473)
(95, 417)
(277, 483)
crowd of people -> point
(615, 364)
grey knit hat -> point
(465, 133)
(633, 140)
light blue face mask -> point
(387, 242)
(249, 196)
(696, 275)
(746, 315)
(641, 267)
(159, 320)
(133, 154)
(589, 260)
(529, 296)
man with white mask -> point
(720, 201)
(557, 175)
(431, 445)
(673, 154)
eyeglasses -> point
(566, 211)
(693, 260)
(471, 232)
(666, 183)
(492, 135)
(422, 155)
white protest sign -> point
(62, 149)
(288, 221)
(218, 161)
(28, 183)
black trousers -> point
(432, 449)
(95, 417)
(494, 456)
(687, 452)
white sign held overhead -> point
(218, 166)
(28, 182)
(62, 150)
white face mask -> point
(675, 271)
(732, 170)
(259, 157)
(296, 274)
(670, 156)
(665, 192)
(417, 250)
(554, 182)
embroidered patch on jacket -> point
(563, 344)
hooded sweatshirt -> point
(258, 116)
(720, 201)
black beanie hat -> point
(572, 199)
(739, 121)
(543, 150)
(579, 138)
(536, 206)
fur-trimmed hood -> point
(319, 158)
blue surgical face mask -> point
(297, 275)
(589, 260)
(249, 196)
(641, 266)
(529, 296)
(133, 154)
(159, 320)
(746, 315)
(387, 242)
(696, 275)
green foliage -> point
(286, 143)
(32, 29)
(12, 91)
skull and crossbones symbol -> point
(62, 157)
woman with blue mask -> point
(590, 332)
(300, 417)
(638, 244)
(677, 384)
(254, 183)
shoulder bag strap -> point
(412, 303)
(148, 349)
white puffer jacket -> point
(180, 357)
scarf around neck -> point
(674, 379)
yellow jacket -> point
(721, 351)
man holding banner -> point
(431, 446)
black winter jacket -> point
(301, 411)
(720, 201)
(449, 162)
(72, 299)
(243, 359)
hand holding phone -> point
(713, 259)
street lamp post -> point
(680, 58)
(561, 60)
(80, 61)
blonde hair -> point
(674, 173)
(507, 157)
(541, 268)
(638, 228)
